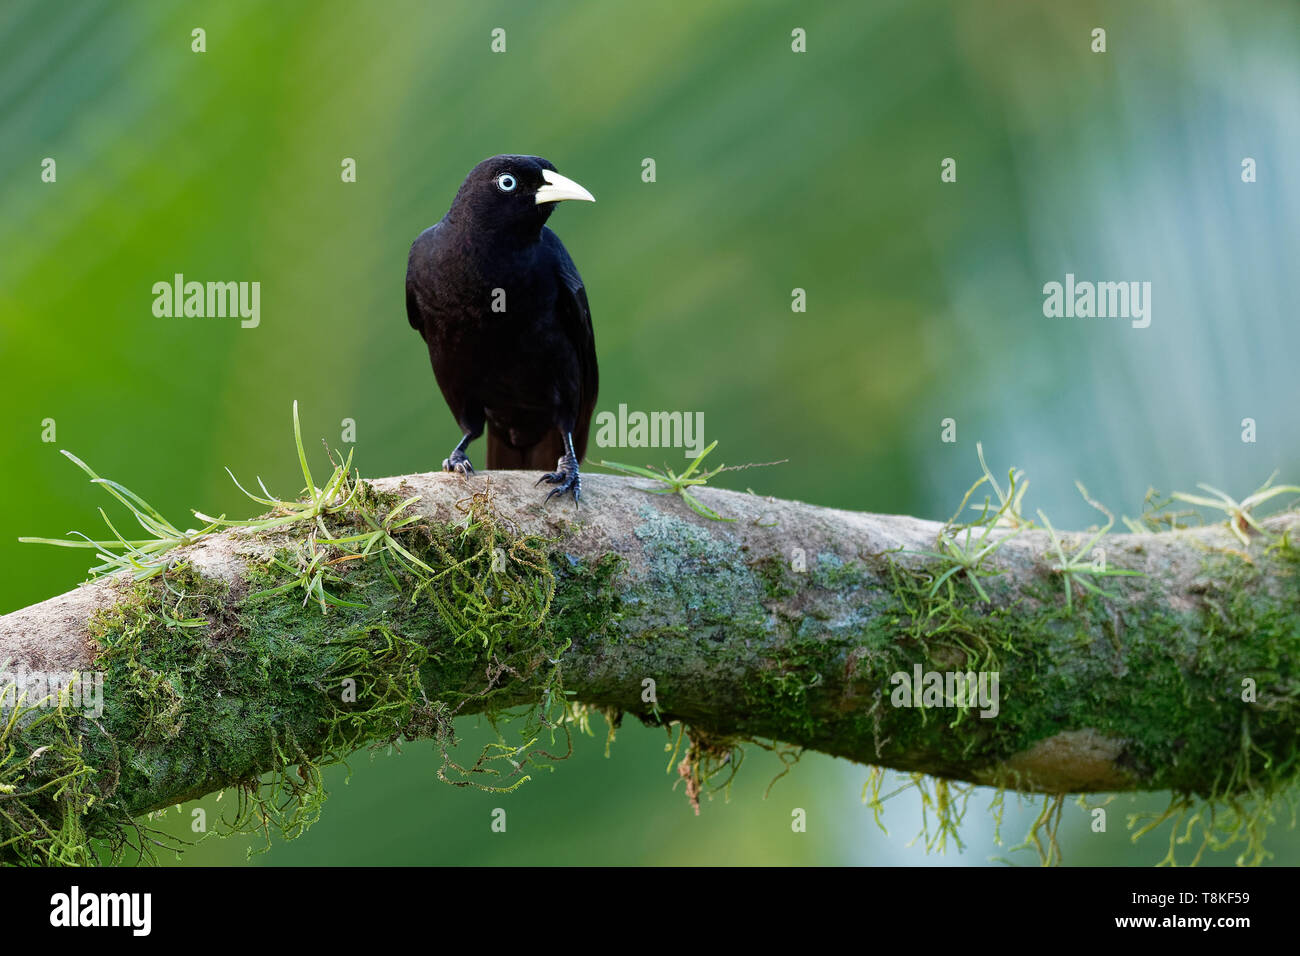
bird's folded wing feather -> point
(575, 315)
(419, 248)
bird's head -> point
(513, 194)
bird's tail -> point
(539, 457)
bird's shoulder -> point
(564, 266)
(426, 243)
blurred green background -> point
(775, 170)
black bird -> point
(504, 313)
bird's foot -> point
(567, 477)
(458, 462)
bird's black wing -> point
(419, 249)
(575, 317)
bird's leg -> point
(565, 474)
(457, 461)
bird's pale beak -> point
(560, 187)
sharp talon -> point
(458, 464)
(568, 479)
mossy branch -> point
(276, 648)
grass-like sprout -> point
(1155, 518)
(335, 495)
(315, 559)
(965, 556)
(312, 574)
(958, 544)
(675, 484)
(1077, 567)
(319, 553)
(313, 556)
(1240, 518)
(141, 557)
(381, 540)
(1009, 512)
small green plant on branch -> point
(960, 549)
(1155, 517)
(142, 558)
(1240, 517)
(675, 484)
(1080, 566)
(1011, 501)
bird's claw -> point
(459, 463)
(567, 477)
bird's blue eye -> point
(506, 183)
